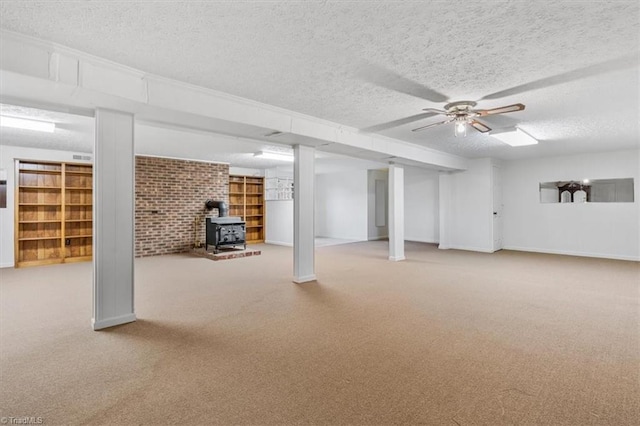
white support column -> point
(303, 214)
(113, 220)
(444, 202)
(396, 213)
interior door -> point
(497, 208)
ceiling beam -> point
(35, 71)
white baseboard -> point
(7, 265)
(573, 253)
(305, 279)
(422, 241)
(111, 322)
(278, 243)
(468, 248)
(396, 258)
(382, 237)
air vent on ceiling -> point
(82, 157)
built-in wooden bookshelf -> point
(53, 212)
(246, 199)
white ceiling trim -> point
(66, 76)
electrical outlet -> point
(67, 241)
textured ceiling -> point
(574, 64)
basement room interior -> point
(320, 213)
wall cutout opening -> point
(588, 191)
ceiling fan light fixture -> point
(461, 128)
(515, 137)
(269, 155)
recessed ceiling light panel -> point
(274, 156)
(515, 137)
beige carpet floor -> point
(444, 338)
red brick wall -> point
(170, 195)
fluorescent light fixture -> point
(269, 155)
(25, 124)
(515, 137)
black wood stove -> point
(224, 231)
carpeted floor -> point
(443, 338)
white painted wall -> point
(279, 224)
(376, 232)
(586, 229)
(7, 156)
(421, 205)
(466, 208)
(341, 205)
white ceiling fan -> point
(463, 114)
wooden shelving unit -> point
(53, 212)
(246, 199)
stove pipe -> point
(223, 209)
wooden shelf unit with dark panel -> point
(53, 212)
(246, 199)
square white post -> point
(445, 190)
(396, 213)
(113, 220)
(303, 214)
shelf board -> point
(236, 193)
(39, 204)
(78, 236)
(38, 238)
(38, 187)
(253, 205)
(253, 226)
(41, 172)
(69, 259)
(78, 172)
(254, 215)
(40, 221)
(79, 188)
(78, 220)
(79, 204)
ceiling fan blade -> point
(479, 126)
(500, 110)
(433, 125)
(396, 123)
(613, 65)
(435, 111)
(390, 80)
